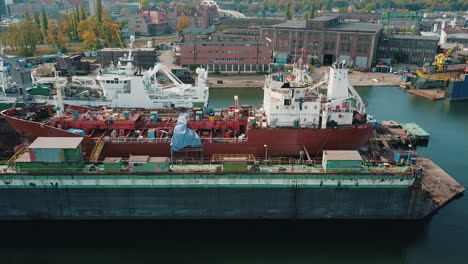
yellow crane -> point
(442, 57)
(118, 37)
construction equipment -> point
(442, 57)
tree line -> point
(95, 32)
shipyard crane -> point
(442, 57)
(64, 62)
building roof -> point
(342, 155)
(291, 24)
(396, 36)
(246, 22)
(455, 30)
(341, 26)
(138, 158)
(198, 30)
(347, 26)
(56, 143)
(323, 18)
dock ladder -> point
(14, 157)
(97, 150)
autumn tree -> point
(182, 23)
(87, 32)
(55, 35)
(144, 3)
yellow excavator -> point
(442, 57)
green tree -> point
(82, 13)
(44, 22)
(99, 11)
(288, 14)
(312, 10)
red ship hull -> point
(280, 142)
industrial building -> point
(143, 57)
(407, 49)
(326, 40)
(226, 51)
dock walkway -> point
(441, 187)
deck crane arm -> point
(441, 58)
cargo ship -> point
(51, 180)
(296, 118)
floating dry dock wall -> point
(224, 195)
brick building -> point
(150, 23)
(407, 49)
(201, 16)
(226, 51)
(326, 39)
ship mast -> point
(58, 97)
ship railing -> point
(223, 140)
(137, 140)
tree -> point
(87, 32)
(99, 11)
(82, 12)
(312, 10)
(288, 15)
(124, 11)
(44, 22)
(182, 23)
(56, 35)
(144, 3)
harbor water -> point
(441, 239)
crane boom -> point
(442, 57)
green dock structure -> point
(343, 186)
(416, 131)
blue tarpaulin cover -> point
(77, 131)
(184, 136)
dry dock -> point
(441, 187)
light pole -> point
(266, 154)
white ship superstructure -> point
(292, 100)
(126, 86)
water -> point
(443, 239)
